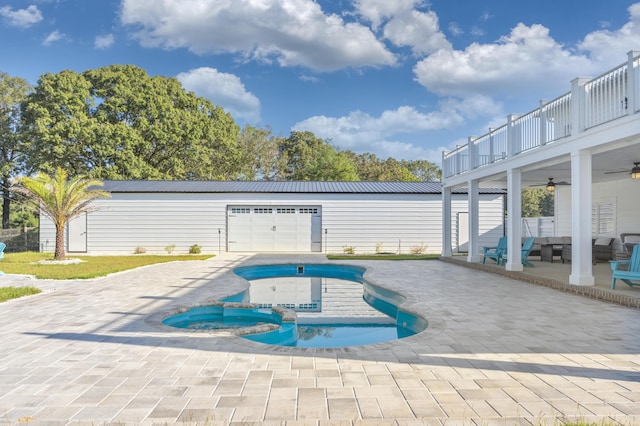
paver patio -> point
(497, 351)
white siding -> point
(562, 206)
(153, 222)
(47, 234)
(491, 220)
(398, 222)
(392, 221)
(623, 193)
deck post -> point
(512, 136)
(632, 81)
(492, 153)
(578, 107)
(514, 220)
(543, 123)
(473, 153)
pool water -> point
(340, 335)
(334, 307)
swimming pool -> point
(306, 305)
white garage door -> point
(274, 228)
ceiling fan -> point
(635, 171)
(551, 185)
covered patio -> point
(583, 145)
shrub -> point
(169, 249)
(418, 249)
(195, 249)
(379, 248)
(349, 249)
(140, 250)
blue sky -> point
(403, 78)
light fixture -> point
(550, 185)
(635, 172)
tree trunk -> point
(6, 203)
(59, 253)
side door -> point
(77, 234)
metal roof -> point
(175, 186)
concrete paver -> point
(497, 351)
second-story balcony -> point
(592, 102)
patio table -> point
(546, 252)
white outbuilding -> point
(157, 217)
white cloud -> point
(477, 31)
(473, 106)
(527, 57)
(22, 18)
(455, 30)
(361, 132)
(404, 24)
(52, 38)
(418, 30)
(291, 32)
(609, 47)
(104, 41)
(224, 90)
(377, 11)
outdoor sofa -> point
(602, 248)
(628, 240)
(557, 242)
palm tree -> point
(61, 199)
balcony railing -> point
(590, 103)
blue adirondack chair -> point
(526, 250)
(527, 246)
(495, 252)
(631, 276)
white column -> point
(581, 268)
(446, 221)
(514, 220)
(474, 227)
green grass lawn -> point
(382, 256)
(92, 267)
(7, 293)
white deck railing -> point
(590, 103)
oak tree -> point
(13, 92)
